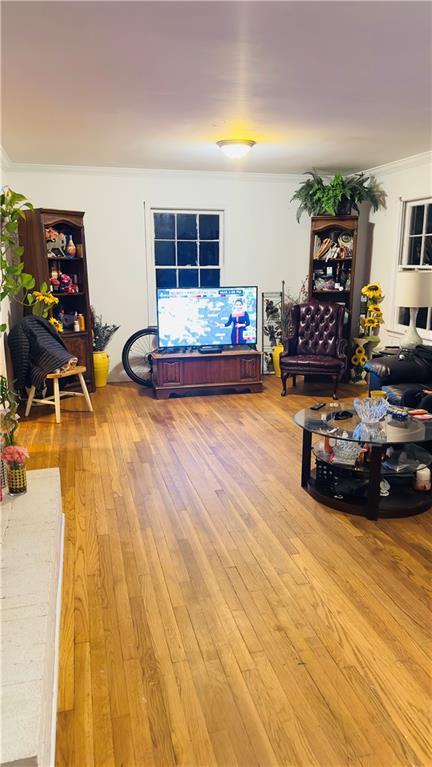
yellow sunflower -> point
(370, 322)
(56, 324)
(45, 298)
(372, 290)
(375, 309)
(355, 359)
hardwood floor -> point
(213, 613)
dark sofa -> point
(396, 374)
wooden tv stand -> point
(184, 372)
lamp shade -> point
(414, 289)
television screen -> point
(207, 316)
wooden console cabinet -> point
(191, 372)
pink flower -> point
(14, 455)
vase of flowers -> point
(102, 334)
(15, 458)
(373, 316)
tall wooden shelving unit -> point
(332, 227)
(38, 263)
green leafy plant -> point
(17, 286)
(15, 283)
(339, 195)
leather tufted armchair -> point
(317, 345)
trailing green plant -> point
(339, 195)
(15, 283)
(17, 286)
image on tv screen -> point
(207, 316)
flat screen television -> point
(207, 316)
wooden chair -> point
(54, 399)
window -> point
(416, 253)
(187, 248)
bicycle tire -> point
(136, 356)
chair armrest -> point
(341, 351)
(341, 348)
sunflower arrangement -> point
(373, 316)
(370, 321)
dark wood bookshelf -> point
(39, 264)
(332, 227)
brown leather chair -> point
(316, 345)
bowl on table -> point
(371, 409)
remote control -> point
(317, 406)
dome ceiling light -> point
(235, 148)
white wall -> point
(407, 179)
(263, 241)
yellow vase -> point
(101, 368)
(276, 353)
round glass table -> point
(402, 499)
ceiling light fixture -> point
(235, 148)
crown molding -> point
(404, 164)
(215, 175)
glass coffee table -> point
(403, 500)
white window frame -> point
(405, 237)
(197, 211)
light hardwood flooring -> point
(213, 613)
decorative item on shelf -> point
(71, 249)
(102, 334)
(339, 196)
(370, 409)
(76, 326)
(55, 242)
(346, 452)
(15, 458)
(66, 285)
(422, 480)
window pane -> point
(404, 316)
(164, 252)
(186, 226)
(417, 215)
(429, 220)
(427, 253)
(166, 278)
(209, 253)
(210, 278)
(187, 254)
(188, 278)
(209, 226)
(164, 226)
(422, 317)
(414, 250)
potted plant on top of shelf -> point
(339, 196)
(102, 334)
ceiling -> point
(155, 84)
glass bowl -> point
(371, 409)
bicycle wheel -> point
(136, 355)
